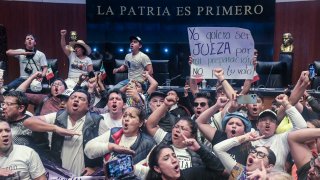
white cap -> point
(36, 86)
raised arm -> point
(297, 92)
(207, 130)
(153, 84)
(296, 118)
(24, 86)
(221, 148)
(230, 92)
(63, 43)
(155, 116)
(300, 152)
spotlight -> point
(166, 50)
(94, 49)
(121, 50)
(147, 49)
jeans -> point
(15, 83)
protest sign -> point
(230, 48)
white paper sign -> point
(230, 48)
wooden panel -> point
(302, 20)
(44, 20)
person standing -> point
(30, 59)
(79, 62)
(135, 62)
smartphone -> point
(247, 99)
(91, 74)
(119, 167)
(312, 71)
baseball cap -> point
(157, 93)
(240, 116)
(65, 94)
(268, 113)
(136, 38)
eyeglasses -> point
(181, 128)
(56, 84)
(313, 164)
(260, 155)
(7, 104)
(202, 104)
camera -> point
(28, 70)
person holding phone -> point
(128, 139)
(79, 62)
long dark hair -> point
(153, 161)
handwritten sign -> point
(230, 48)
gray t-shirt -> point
(39, 60)
(136, 65)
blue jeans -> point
(120, 85)
(15, 83)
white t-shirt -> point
(78, 66)
(39, 58)
(72, 154)
(136, 65)
(182, 153)
(24, 161)
(98, 146)
(108, 123)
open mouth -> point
(177, 168)
(250, 161)
(125, 126)
(233, 132)
(6, 141)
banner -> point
(229, 48)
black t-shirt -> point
(302, 172)
(238, 153)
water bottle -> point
(204, 84)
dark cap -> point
(157, 93)
(66, 94)
(268, 113)
(135, 38)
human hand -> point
(191, 143)
(5, 172)
(115, 70)
(82, 78)
(186, 90)
(120, 149)
(219, 73)
(283, 100)
(304, 79)
(260, 173)
(65, 132)
(221, 102)
(36, 75)
(132, 92)
(63, 32)
(92, 83)
(170, 100)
